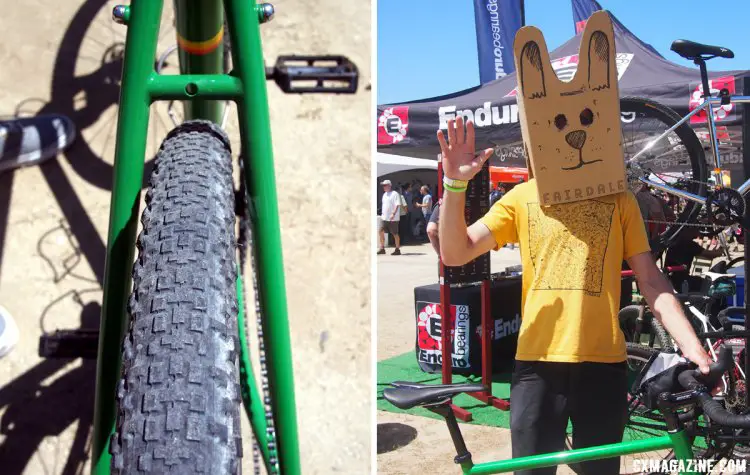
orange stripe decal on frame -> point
(201, 47)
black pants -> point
(545, 395)
(404, 230)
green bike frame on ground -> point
(677, 441)
(203, 85)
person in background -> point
(404, 230)
(408, 196)
(432, 229)
(652, 210)
(25, 142)
(391, 215)
(682, 253)
(426, 203)
(497, 193)
(409, 218)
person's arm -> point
(433, 236)
(706, 254)
(656, 289)
(459, 244)
(659, 294)
(396, 202)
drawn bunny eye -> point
(587, 117)
(561, 121)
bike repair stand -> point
(469, 273)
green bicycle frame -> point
(678, 441)
(203, 85)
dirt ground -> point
(65, 58)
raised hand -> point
(459, 159)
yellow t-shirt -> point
(572, 257)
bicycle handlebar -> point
(694, 380)
(721, 416)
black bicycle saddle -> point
(407, 395)
(692, 50)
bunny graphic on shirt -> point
(571, 130)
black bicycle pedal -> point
(69, 344)
(315, 74)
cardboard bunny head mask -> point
(571, 130)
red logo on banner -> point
(722, 135)
(580, 25)
(429, 334)
(721, 113)
(393, 125)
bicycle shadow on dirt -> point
(83, 98)
(46, 400)
(56, 394)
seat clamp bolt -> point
(121, 14)
(265, 12)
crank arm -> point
(311, 74)
(82, 343)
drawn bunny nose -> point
(576, 139)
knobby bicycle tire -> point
(646, 108)
(179, 396)
(628, 316)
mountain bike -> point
(173, 362)
(730, 392)
(664, 154)
(692, 390)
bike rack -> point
(746, 222)
(486, 325)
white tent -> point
(388, 164)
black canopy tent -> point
(409, 128)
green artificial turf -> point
(405, 368)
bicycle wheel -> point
(678, 160)
(178, 398)
(736, 262)
(652, 333)
(642, 422)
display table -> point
(466, 319)
(466, 322)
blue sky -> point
(428, 47)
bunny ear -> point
(532, 63)
(599, 50)
(532, 71)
